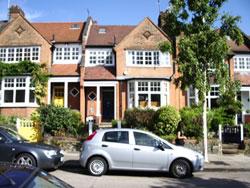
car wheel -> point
(26, 159)
(180, 169)
(97, 166)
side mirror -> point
(159, 145)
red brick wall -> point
(19, 112)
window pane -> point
(155, 100)
(20, 82)
(9, 82)
(116, 136)
(58, 53)
(2, 54)
(11, 52)
(241, 63)
(248, 63)
(32, 96)
(20, 95)
(142, 86)
(156, 58)
(66, 53)
(143, 100)
(144, 139)
(8, 96)
(35, 53)
(19, 54)
(27, 54)
(155, 86)
(148, 58)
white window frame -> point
(241, 63)
(27, 89)
(164, 58)
(208, 96)
(14, 56)
(97, 50)
(164, 93)
(71, 57)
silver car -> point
(131, 149)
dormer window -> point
(242, 63)
(99, 57)
(75, 26)
(102, 31)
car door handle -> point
(104, 145)
(136, 149)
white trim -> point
(164, 59)
(115, 102)
(66, 89)
(26, 89)
(22, 58)
(98, 110)
(99, 83)
(236, 63)
(64, 79)
(70, 60)
(87, 57)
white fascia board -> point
(64, 79)
(99, 83)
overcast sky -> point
(110, 12)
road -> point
(72, 173)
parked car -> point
(14, 148)
(16, 176)
(130, 149)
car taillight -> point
(91, 136)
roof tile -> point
(65, 70)
(63, 32)
(113, 34)
(99, 73)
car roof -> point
(122, 129)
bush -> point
(166, 120)
(169, 138)
(247, 129)
(7, 120)
(115, 122)
(192, 120)
(59, 120)
(139, 118)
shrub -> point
(169, 138)
(115, 124)
(7, 120)
(192, 120)
(59, 120)
(139, 118)
(166, 120)
(247, 129)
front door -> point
(107, 105)
(58, 96)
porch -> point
(244, 97)
(64, 92)
(100, 100)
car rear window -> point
(116, 136)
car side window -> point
(116, 136)
(144, 139)
(2, 138)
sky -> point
(109, 12)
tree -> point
(202, 49)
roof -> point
(238, 48)
(60, 32)
(99, 73)
(65, 70)
(113, 34)
(243, 77)
(3, 23)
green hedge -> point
(58, 119)
(166, 120)
(139, 118)
(192, 120)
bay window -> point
(17, 91)
(147, 94)
(147, 58)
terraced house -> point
(100, 70)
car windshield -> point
(45, 180)
(14, 135)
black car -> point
(13, 148)
(17, 176)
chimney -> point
(15, 11)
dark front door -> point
(107, 105)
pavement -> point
(226, 162)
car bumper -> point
(52, 163)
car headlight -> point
(50, 153)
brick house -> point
(100, 70)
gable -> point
(145, 36)
(20, 33)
